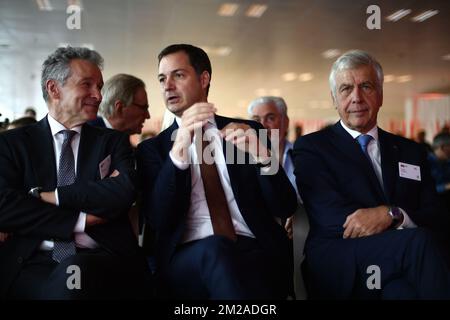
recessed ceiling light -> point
(221, 51)
(289, 76)
(256, 10)
(405, 78)
(389, 78)
(227, 9)
(398, 15)
(304, 77)
(44, 5)
(446, 57)
(331, 53)
(425, 15)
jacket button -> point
(19, 260)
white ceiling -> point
(289, 37)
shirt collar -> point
(372, 132)
(107, 124)
(56, 127)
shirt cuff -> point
(407, 222)
(81, 223)
(179, 164)
(56, 197)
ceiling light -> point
(331, 53)
(256, 10)
(289, 76)
(221, 51)
(227, 9)
(44, 5)
(389, 78)
(77, 3)
(304, 77)
(425, 15)
(398, 15)
(446, 57)
(405, 78)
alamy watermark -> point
(251, 147)
(73, 21)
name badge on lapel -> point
(409, 171)
(104, 167)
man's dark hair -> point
(440, 140)
(198, 58)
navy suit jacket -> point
(167, 191)
(335, 179)
(27, 160)
(98, 122)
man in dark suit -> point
(65, 190)
(124, 106)
(216, 233)
(370, 199)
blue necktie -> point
(66, 176)
(364, 140)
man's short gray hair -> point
(57, 65)
(277, 101)
(120, 87)
(355, 59)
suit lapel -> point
(42, 154)
(389, 160)
(88, 152)
(351, 148)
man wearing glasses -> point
(124, 106)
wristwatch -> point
(396, 215)
(35, 192)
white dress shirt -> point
(198, 222)
(82, 240)
(373, 149)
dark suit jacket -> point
(167, 192)
(98, 122)
(27, 160)
(335, 179)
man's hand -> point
(244, 138)
(92, 220)
(49, 197)
(366, 222)
(193, 118)
(289, 227)
(3, 236)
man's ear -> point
(205, 78)
(118, 107)
(52, 89)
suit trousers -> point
(101, 276)
(218, 268)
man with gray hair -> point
(271, 112)
(124, 106)
(65, 190)
(440, 166)
(370, 199)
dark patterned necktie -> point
(215, 198)
(66, 176)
